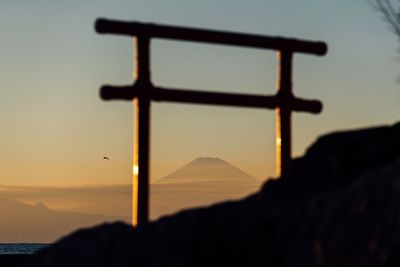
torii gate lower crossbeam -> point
(143, 92)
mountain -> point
(37, 223)
(206, 169)
(201, 182)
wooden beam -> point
(106, 26)
(127, 93)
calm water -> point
(20, 248)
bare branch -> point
(391, 12)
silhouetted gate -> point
(143, 92)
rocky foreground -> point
(339, 206)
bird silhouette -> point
(106, 158)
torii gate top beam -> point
(209, 36)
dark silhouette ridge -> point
(340, 206)
(143, 91)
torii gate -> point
(142, 92)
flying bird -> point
(106, 158)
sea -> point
(20, 248)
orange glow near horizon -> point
(278, 141)
(135, 170)
(135, 184)
(278, 144)
(135, 167)
(134, 199)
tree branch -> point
(391, 13)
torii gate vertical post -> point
(142, 92)
(141, 142)
(284, 113)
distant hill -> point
(36, 223)
(110, 200)
(201, 182)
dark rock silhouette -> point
(339, 206)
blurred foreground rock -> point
(339, 206)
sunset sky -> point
(55, 129)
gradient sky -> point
(55, 130)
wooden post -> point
(283, 120)
(141, 144)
